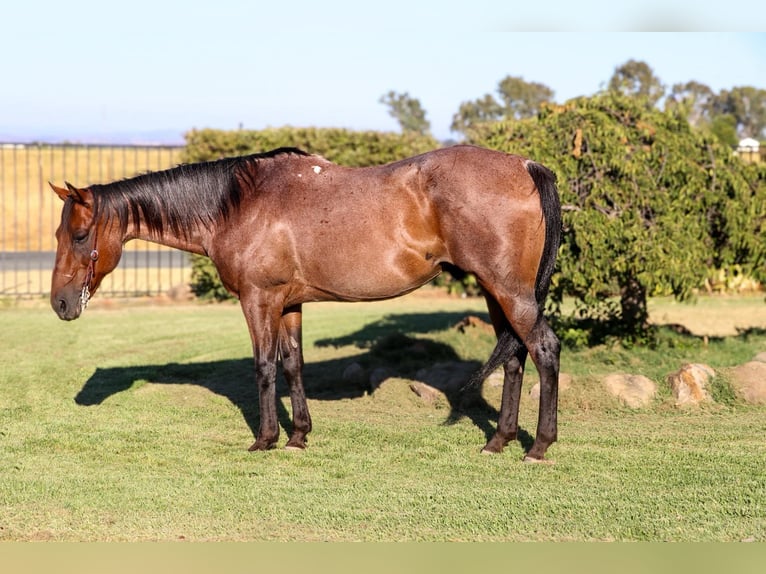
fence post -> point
(30, 216)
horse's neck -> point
(193, 241)
(157, 208)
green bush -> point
(205, 282)
(650, 204)
(345, 147)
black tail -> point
(545, 181)
(508, 344)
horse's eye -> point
(80, 236)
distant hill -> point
(151, 137)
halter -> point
(85, 293)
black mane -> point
(182, 197)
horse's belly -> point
(380, 255)
(374, 279)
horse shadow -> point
(387, 352)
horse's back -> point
(377, 232)
(469, 169)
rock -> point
(180, 292)
(396, 347)
(496, 379)
(429, 394)
(377, 376)
(396, 391)
(471, 322)
(565, 383)
(445, 383)
(749, 382)
(354, 374)
(634, 391)
(760, 357)
(689, 384)
(448, 377)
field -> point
(29, 211)
(132, 423)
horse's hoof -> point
(531, 460)
(261, 446)
(294, 448)
(496, 445)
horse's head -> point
(89, 247)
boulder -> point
(473, 323)
(429, 394)
(565, 382)
(445, 383)
(690, 383)
(354, 375)
(496, 379)
(634, 391)
(749, 382)
(180, 292)
(449, 377)
(377, 376)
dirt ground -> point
(717, 315)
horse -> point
(286, 227)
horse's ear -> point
(60, 191)
(82, 196)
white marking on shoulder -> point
(317, 169)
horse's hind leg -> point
(544, 347)
(526, 319)
(508, 419)
(291, 350)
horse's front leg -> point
(291, 351)
(263, 313)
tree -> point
(636, 78)
(724, 127)
(518, 99)
(730, 114)
(693, 99)
(649, 203)
(407, 111)
(748, 107)
(477, 112)
(522, 99)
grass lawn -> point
(133, 423)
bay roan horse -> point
(285, 228)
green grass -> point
(132, 423)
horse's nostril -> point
(62, 306)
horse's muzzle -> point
(67, 310)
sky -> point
(150, 70)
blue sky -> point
(82, 69)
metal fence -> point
(31, 212)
